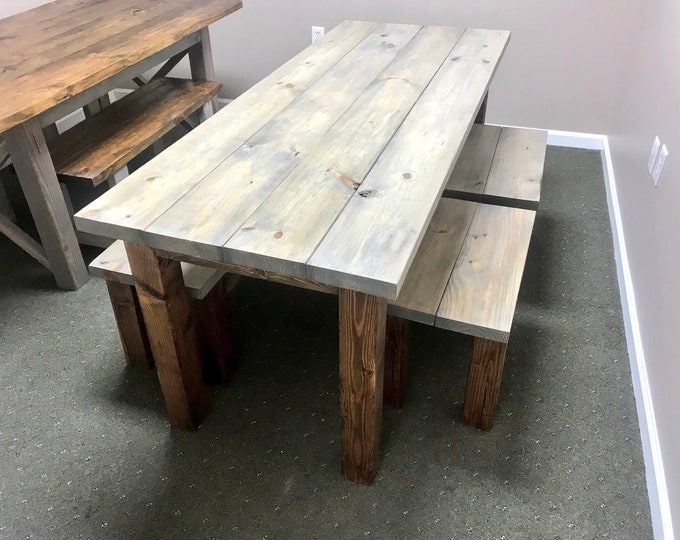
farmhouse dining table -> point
(323, 175)
(64, 55)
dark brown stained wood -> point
(102, 144)
(131, 329)
(172, 334)
(397, 338)
(483, 384)
(215, 335)
(362, 349)
(128, 37)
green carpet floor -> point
(86, 452)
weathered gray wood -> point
(203, 69)
(6, 209)
(23, 240)
(217, 138)
(372, 243)
(433, 264)
(113, 265)
(500, 166)
(482, 292)
(474, 163)
(215, 209)
(517, 168)
(170, 65)
(39, 183)
(285, 230)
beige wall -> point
(651, 216)
(600, 66)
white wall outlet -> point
(653, 153)
(317, 33)
(658, 166)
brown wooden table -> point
(324, 175)
(64, 55)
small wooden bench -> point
(500, 165)
(102, 144)
(207, 289)
(465, 277)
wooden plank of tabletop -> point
(284, 231)
(45, 87)
(126, 210)
(211, 213)
(375, 238)
(51, 40)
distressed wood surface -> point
(41, 188)
(112, 264)
(105, 142)
(79, 57)
(483, 383)
(372, 243)
(203, 69)
(285, 230)
(171, 329)
(362, 349)
(222, 202)
(144, 196)
(500, 166)
(474, 163)
(434, 262)
(481, 294)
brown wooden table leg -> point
(172, 334)
(362, 347)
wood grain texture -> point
(483, 383)
(293, 220)
(39, 183)
(101, 145)
(203, 69)
(112, 264)
(372, 243)
(362, 349)
(220, 205)
(517, 169)
(130, 323)
(172, 335)
(124, 39)
(474, 163)
(157, 185)
(482, 292)
(397, 341)
(433, 264)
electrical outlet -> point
(658, 166)
(317, 33)
(653, 153)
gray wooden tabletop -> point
(327, 170)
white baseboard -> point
(651, 448)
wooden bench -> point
(97, 147)
(207, 289)
(500, 165)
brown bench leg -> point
(131, 329)
(397, 339)
(484, 380)
(362, 350)
(213, 315)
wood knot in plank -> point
(407, 176)
(349, 182)
(366, 193)
(136, 11)
(388, 45)
(278, 234)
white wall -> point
(651, 216)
